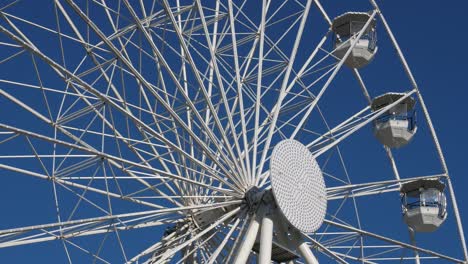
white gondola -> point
(424, 204)
(397, 127)
(346, 27)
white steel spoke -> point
(357, 127)
(140, 78)
(283, 86)
(113, 158)
(392, 241)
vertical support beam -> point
(266, 239)
(306, 253)
(249, 240)
(413, 242)
(303, 248)
(431, 128)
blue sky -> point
(428, 34)
(432, 38)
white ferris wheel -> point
(174, 131)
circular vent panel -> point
(298, 185)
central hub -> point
(298, 185)
(253, 197)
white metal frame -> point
(174, 106)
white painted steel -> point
(248, 241)
(266, 238)
(298, 185)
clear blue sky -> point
(432, 37)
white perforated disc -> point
(298, 185)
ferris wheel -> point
(216, 132)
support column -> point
(413, 242)
(266, 238)
(303, 248)
(306, 253)
(249, 240)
